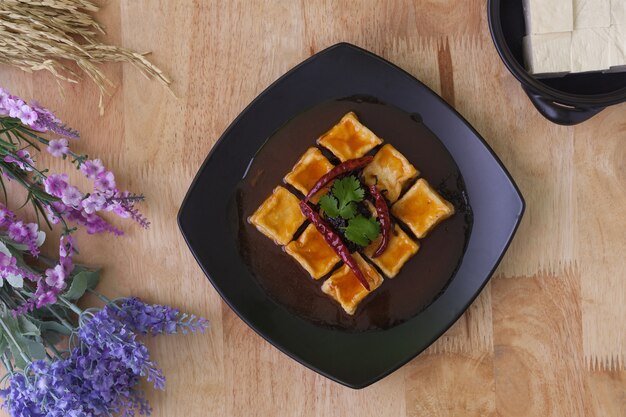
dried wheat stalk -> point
(39, 35)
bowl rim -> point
(497, 35)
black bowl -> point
(209, 223)
(567, 100)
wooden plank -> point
(545, 338)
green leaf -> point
(4, 345)
(347, 190)
(35, 348)
(81, 282)
(341, 201)
(16, 281)
(348, 211)
(19, 360)
(27, 327)
(329, 204)
(362, 230)
(47, 327)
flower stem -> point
(10, 336)
(71, 305)
(7, 364)
(100, 296)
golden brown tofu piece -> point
(345, 287)
(399, 250)
(349, 139)
(389, 171)
(279, 216)
(311, 166)
(313, 253)
(422, 208)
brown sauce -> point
(421, 279)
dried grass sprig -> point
(38, 35)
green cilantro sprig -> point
(362, 230)
(341, 202)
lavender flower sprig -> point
(101, 375)
(52, 196)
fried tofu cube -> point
(345, 287)
(389, 171)
(399, 250)
(422, 208)
(349, 139)
(311, 166)
(313, 253)
(279, 216)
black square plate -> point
(206, 219)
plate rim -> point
(518, 215)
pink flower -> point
(7, 261)
(27, 115)
(93, 203)
(21, 232)
(13, 105)
(56, 184)
(92, 168)
(46, 298)
(119, 209)
(4, 96)
(6, 216)
(105, 181)
(55, 277)
(72, 197)
(23, 160)
(58, 148)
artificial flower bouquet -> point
(61, 360)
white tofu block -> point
(590, 49)
(548, 16)
(548, 53)
(592, 13)
(617, 49)
(618, 12)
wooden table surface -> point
(547, 336)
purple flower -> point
(93, 203)
(8, 266)
(4, 96)
(46, 297)
(25, 234)
(14, 105)
(22, 159)
(21, 232)
(72, 196)
(55, 277)
(56, 184)
(48, 122)
(105, 181)
(101, 376)
(157, 319)
(92, 168)
(58, 148)
(27, 115)
(6, 216)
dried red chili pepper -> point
(347, 166)
(334, 240)
(383, 217)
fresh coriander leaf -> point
(329, 204)
(347, 190)
(362, 230)
(348, 211)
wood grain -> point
(545, 338)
